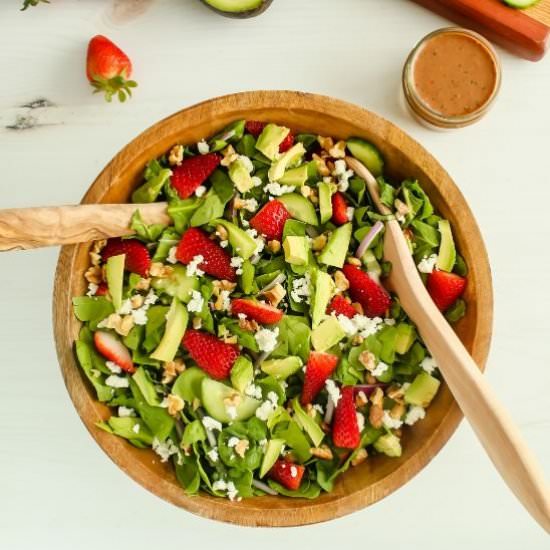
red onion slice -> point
(368, 238)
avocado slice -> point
(300, 208)
(240, 176)
(269, 140)
(189, 383)
(405, 338)
(447, 251)
(295, 176)
(327, 334)
(422, 390)
(213, 395)
(307, 423)
(272, 451)
(176, 323)
(178, 284)
(388, 444)
(325, 202)
(324, 287)
(242, 373)
(296, 250)
(114, 271)
(281, 369)
(240, 9)
(287, 159)
(336, 249)
(368, 154)
(371, 263)
(243, 244)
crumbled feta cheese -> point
(260, 243)
(165, 449)
(333, 391)
(202, 147)
(219, 485)
(210, 424)
(427, 263)
(193, 266)
(266, 409)
(213, 454)
(250, 204)
(390, 422)
(92, 289)
(256, 182)
(245, 223)
(319, 409)
(171, 258)
(347, 325)
(196, 303)
(224, 244)
(414, 414)
(267, 339)
(115, 381)
(349, 212)
(360, 421)
(428, 364)
(225, 301)
(136, 428)
(359, 324)
(232, 492)
(126, 411)
(150, 299)
(276, 189)
(113, 367)
(301, 289)
(140, 316)
(390, 322)
(231, 411)
(241, 315)
(380, 369)
(293, 471)
(232, 442)
(343, 174)
(200, 191)
(125, 308)
(237, 262)
(253, 391)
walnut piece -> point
(361, 399)
(321, 165)
(360, 457)
(175, 156)
(319, 242)
(377, 397)
(367, 359)
(197, 323)
(171, 370)
(229, 156)
(341, 281)
(323, 452)
(160, 270)
(121, 325)
(241, 447)
(143, 284)
(175, 404)
(94, 274)
(249, 325)
(376, 413)
(275, 295)
(327, 143)
(274, 246)
(338, 151)
(354, 261)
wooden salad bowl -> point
(405, 158)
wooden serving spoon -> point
(494, 427)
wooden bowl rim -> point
(271, 511)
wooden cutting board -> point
(523, 32)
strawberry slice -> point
(193, 172)
(445, 288)
(216, 261)
(113, 350)
(373, 297)
(137, 258)
(345, 430)
(340, 306)
(270, 220)
(339, 209)
(210, 353)
(102, 290)
(255, 127)
(287, 474)
(257, 311)
(319, 367)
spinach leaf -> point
(211, 208)
(154, 329)
(147, 233)
(308, 489)
(456, 312)
(245, 337)
(187, 474)
(193, 433)
(84, 355)
(169, 238)
(125, 426)
(146, 386)
(92, 309)
(181, 212)
(222, 185)
(155, 178)
(294, 337)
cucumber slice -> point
(213, 396)
(368, 154)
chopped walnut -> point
(218, 286)
(171, 370)
(314, 196)
(358, 307)
(275, 294)
(175, 404)
(305, 191)
(229, 156)
(137, 301)
(233, 400)
(319, 242)
(323, 452)
(160, 270)
(396, 393)
(360, 457)
(197, 323)
(368, 360)
(176, 155)
(95, 251)
(143, 284)
(354, 261)
(121, 325)
(321, 165)
(357, 340)
(330, 166)
(94, 274)
(370, 379)
(249, 325)
(376, 413)
(398, 410)
(341, 281)
(338, 151)
(361, 399)
(377, 397)
(229, 338)
(221, 232)
(241, 447)
(310, 411)
(274, 246)
(221, 301)
(327, 143)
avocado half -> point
(238, 8)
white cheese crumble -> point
(428, 364)
(260, 243)
(196, 303)
(380, 369)
(115, 381)
(359, 324)
(92, 289)
(333, 391)
(349, 212)
(136, 428)
(202, 147)
(228, 487)
(165, 449)
(213, 454)
(226, 302)
(343, 174)
(125, 307)
(171, 258)
(210, 423)
(193, 266)
(150, 299)
(237, 262)
(250, 204)
(126, 411)
(232, 442)
(390, 322)
(224, 244)
(427, 263)
(256, 182)
(139, 316)
(301, 289)
(414, 414)
(319, 409)
(253, 391)
(231, 411)
(293, 471)
(200, 191)
(266, 409)
(113, 367)
(390, 422)
(267, 339)
(276, 189)
(360, 421)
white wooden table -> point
(57, 488)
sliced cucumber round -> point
(213, 399)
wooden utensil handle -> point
(24, 228)
(490, 420)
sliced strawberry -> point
(319, 367)
(287, 143)
(373, 297)
(287, 474)
(339, 209)
(193, 172)
(137, 258)
(255, 127)
(113, 350)
(270, 220)
(210, 353)
(345, 430)
(257, 311)
(340, 306)
(102, 289)
(216, 261)
(445, 288)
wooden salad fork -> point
(491, 422)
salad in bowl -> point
(252, 343)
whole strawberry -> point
(109, 69)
